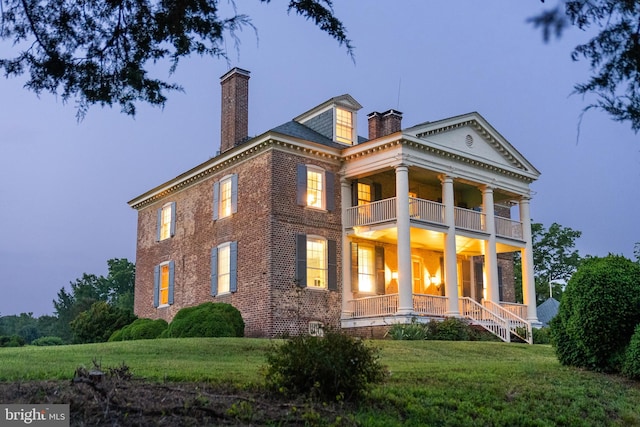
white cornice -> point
(241, 153)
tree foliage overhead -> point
(100, 51)
(613, 53)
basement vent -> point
(316, 329)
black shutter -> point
(354, 192)
(354, 267)
(332, 266)
(301, 185)
(500, 288)
(380, 279)
(377, 191)
(330, 198)
(301, 260)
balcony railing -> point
(519, 310)
(430, 212)
(507, 227)
(380, 305)
(429, 304)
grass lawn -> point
(432, 383)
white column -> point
(405, 293)
(490, 253)
(450, 258)
(528, 279)
(347, 295)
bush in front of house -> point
(413, 331)
(140, 329)
(598, 313)
(206, 320)
(12, 341)
(99, 322)
(631, 364)
(47, 341)
(449, 329)
(541, 335)
(333, 367)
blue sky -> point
(64, 185)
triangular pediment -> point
(471, 137)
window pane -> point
(225, 198)
(164, 284)
(365, 269)
(314, 188)
(165, 227)
(224, 268)
(364, 193)
(316, 263)
(344, 126)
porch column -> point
(347, 295)
(450, 258)
(405, 294)
(528, 279)
(490, 253)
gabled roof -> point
(471, 136)
(345, 101)
(548, 310)
(301, 131)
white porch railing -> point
(379, 305)
(486, 318)
(426, 210)
(507, 227)
(371, 213)
(469, 219)
(516, 324)
(519, 310)
(434, 305)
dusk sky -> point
(64, 184)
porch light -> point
(435, 280)
(394, 275)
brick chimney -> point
(235, 108)
(383, 124)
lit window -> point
(316, 262)
(224, 268)
(344, 126)
(366, 278)
(164, 284)
(314, 188)
(364, 193)
(166, 221)
(225, 198)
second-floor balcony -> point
(430, 212)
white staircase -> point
(495, 319)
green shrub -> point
(452, 329)
(598, 313)
(333, 367)
(541, 336)
(411, 332)
(99, 322)
(631, 365)
(140, 329)
(12, 341)
(46, 341)
(207, 320)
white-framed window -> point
(166, 225)
(163, 284)
(364, 193)
(224, 267)
(344, 126)
(366, 269)
(225, 197)
(315, 187)
(316, 262)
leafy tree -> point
(99, 322)
(636, 251)
(99, 52)
(116, 289)
(555, 259)
(23, 325)
(613, 53)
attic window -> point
(344, 126)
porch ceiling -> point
(429, 239)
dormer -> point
(335, 119)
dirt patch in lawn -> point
(104, 400)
